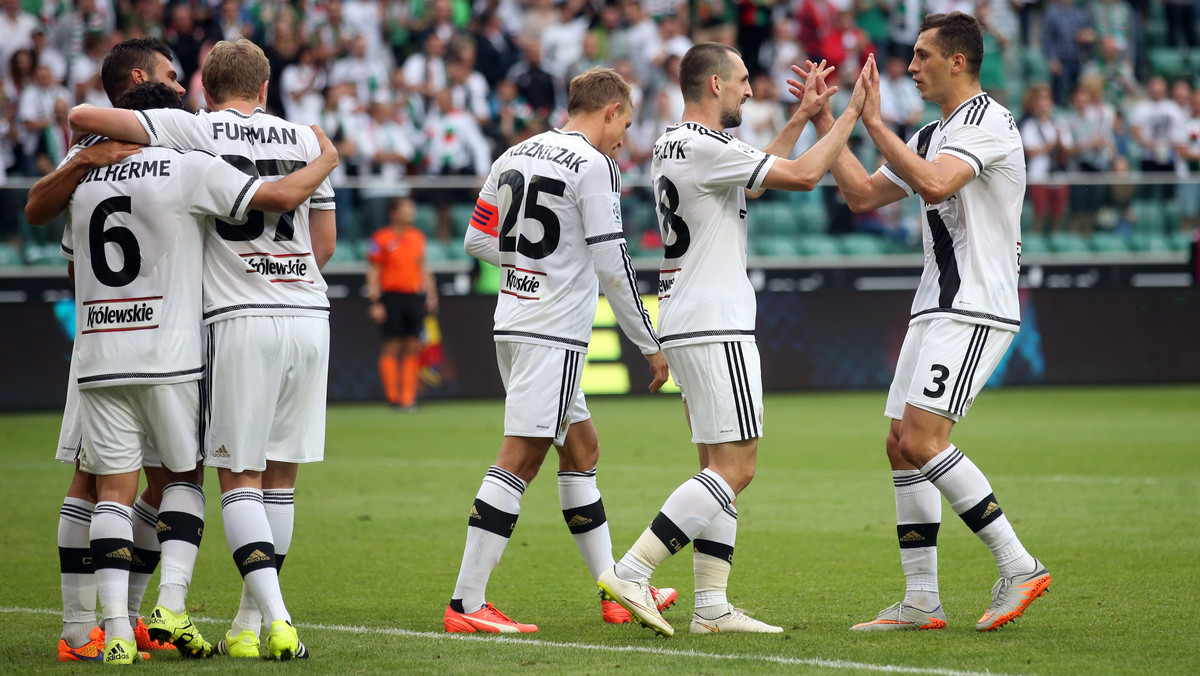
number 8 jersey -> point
(700, 177)
(557, 202)
(264, 265)
(136, 236)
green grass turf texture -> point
(1101, 483)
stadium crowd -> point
(441, 87)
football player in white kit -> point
(554, 203)
(707, 308)
(969, 170)
(268, 327)
(128, 63)
(136, 236)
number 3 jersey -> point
(136, 233)
(557, 202)
(699, 177)
(264, 265)
(972, 241)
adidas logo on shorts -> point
(221, 452)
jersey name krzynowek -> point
(699, 177)
(263, 265)
(136, 232)
(972, 241)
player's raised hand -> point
(871, 110)
(868, 80)
(813, 93)
(108, 152)
(658, 368)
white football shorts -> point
(126, 427)
(265, 391)
(943, 365)
(722, 386)
(542, 393)
(70, 435)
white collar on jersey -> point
(241, 114)
(580, 134)
(962, 105)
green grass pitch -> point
(1102, 484)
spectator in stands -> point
(368, 76)
(85, 17)
(1181, 23)
(55, 140)
(301, 86)
(46, 55)
(146, 20)
(186, 39)
(1181, 94)
(232, 20)
(282, 50)
(900, 103)
(1155, 123)
(589, 56)
(1047, 143)
(496, 52)
(562, 41)
(341, 121)
(1187, 145)
(84, 75)
(1115, 69)
(384, 152)
(425, 71)
(467, 85)
(778, 54)
(818, 33)
(1091, 123)
(993, 77)
(454, 146)
(330, 35)
(16, 29)
(645, 45)
(1067, 34)
(1113, 20)
(675, 41)
(904, 19)
(762, 115)
(511, 116)
(534, 83)
(35, 112)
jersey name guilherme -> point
(972, 241)
(136, 233)
(699, 178)
(558, 203)
(265, 265)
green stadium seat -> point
(817, 245)
(1027, 216)
(810, 218)
(863, 244)
(1068, 242)
(460, 219)
(9, 254)
(1152, 242)
(1033, 243)
(426, 219)
(1171, 62)
(1033, 66)
(1148, 217)
(773, 245)
(1108, 242)
(1179, 240)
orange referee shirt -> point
(399, 256)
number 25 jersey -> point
(264, 265)
(699, 177)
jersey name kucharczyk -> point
(264, 265)
(972, 240)
(136, 233)
(699, 177)
(557, 200)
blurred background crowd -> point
(1104, 94)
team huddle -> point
(204, 335)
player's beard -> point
(732, 118)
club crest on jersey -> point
(287, 268)
(745, 149)
(522, 283)
(121, 314)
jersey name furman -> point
(122, 314)
(252, 135)
(130, 169)
(555, 154)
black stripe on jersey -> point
(705, 334)
(119, 376)
(738, 394)
(750, 184)
(241, 196)
(206, 389)
(742, 396)
(66, 249)
(749, 394)
(971, 101)
(975, 116)
(966, 373)
(968, 313)
(604, 238)
(89, 140)
(149, 123)
(321, 200)
(264, 306)
(949, 280)
(971, 156)
(541, 336)
(705, 131)
(614, 173)
(277, 167)
(631, 277)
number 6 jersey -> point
(136, 236)
(264, 265)
(557, 202)
(699, 177)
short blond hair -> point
(234, 69)
(595, 88)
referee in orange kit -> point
(401, 290)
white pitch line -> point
(646, 650)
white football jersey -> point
(558, 202)
(265, 265)
(972, 240)
(700, 177)
(136, 235)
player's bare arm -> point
(658, 369)
(806, 171)
(815, 99)
(292, 190)
(863, 192)
(322, 227)
(111, 122)
(51, 194)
